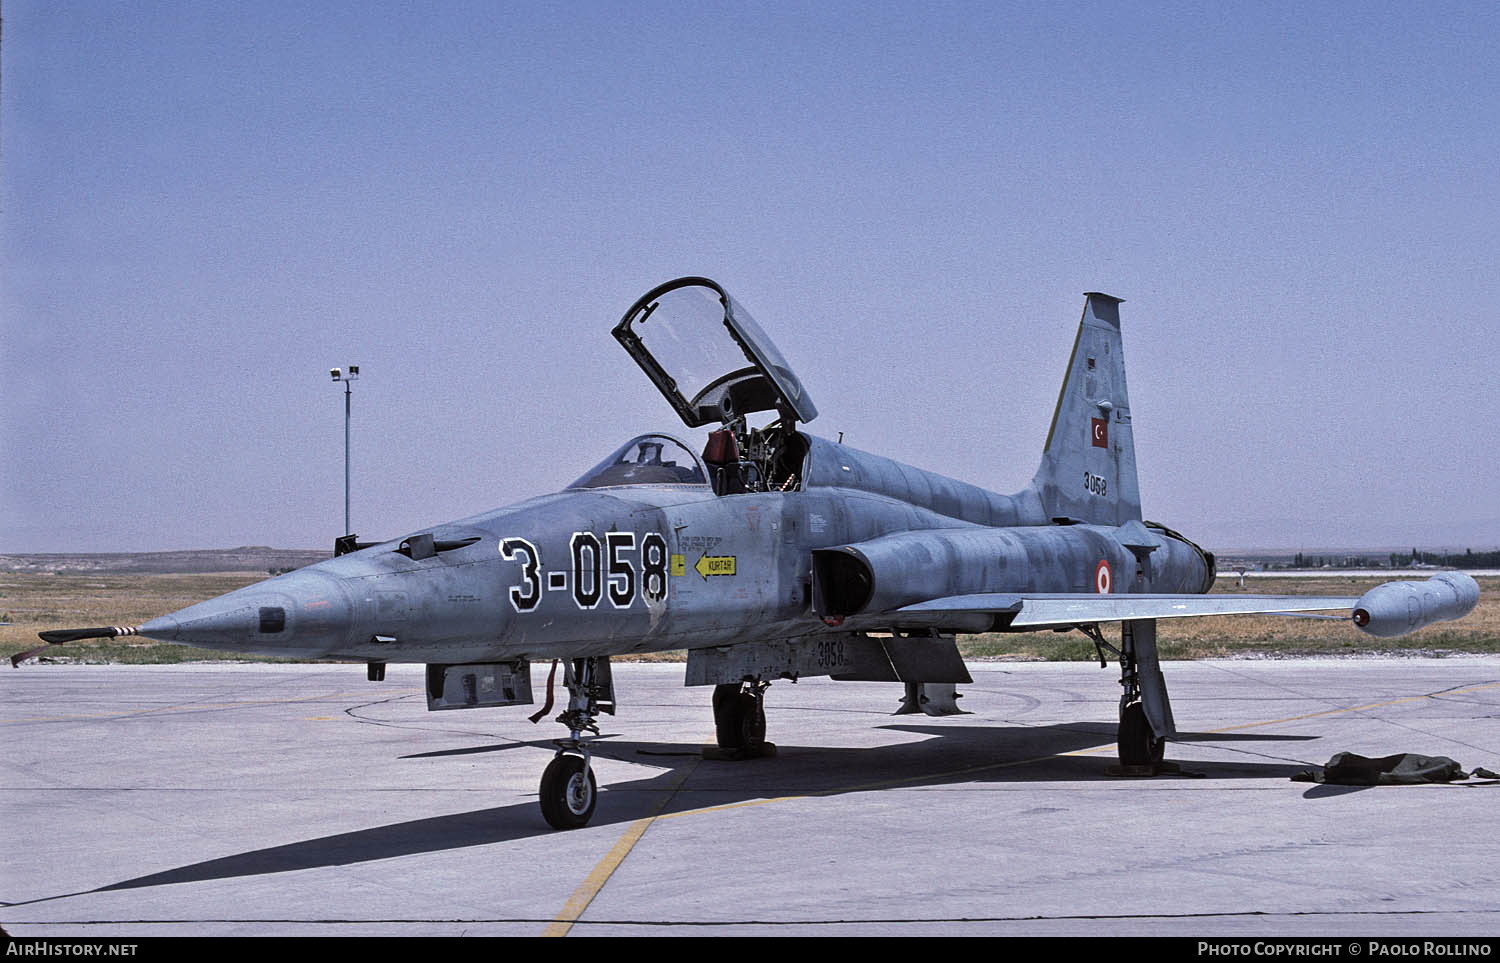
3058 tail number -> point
(613, 567)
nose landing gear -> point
(569, 791)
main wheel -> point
(752, 712)
(568, 792)
(729, 716)
(1138, 743)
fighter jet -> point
(771, 554)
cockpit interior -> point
(646, 460)
(733, 462)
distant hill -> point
(248, 558)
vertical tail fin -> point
(1088, 465)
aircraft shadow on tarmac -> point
(499, 747)
(957, 754)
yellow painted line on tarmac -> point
(594, 882)
(1318, 715)
(1363, 708)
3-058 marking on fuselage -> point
(614, 568)
(1095, 485)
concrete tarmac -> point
(303, 800)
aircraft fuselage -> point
(646, 568)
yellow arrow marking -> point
(715, 565)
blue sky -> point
(204, 207)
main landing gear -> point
(1138, 745)
(740, 720)
(1140, 748)
(569, 790)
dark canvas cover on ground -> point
(1402, 769)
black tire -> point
(752, 712)
(728, 713)
(568, 793)
(1138, 743)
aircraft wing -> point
(1042, 609)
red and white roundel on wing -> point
(1103, 578)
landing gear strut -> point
(1139, 745)
(569, 791)
(740, 719)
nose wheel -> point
(568, 792)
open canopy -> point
(708, 357)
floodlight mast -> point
(346, 378)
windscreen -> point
(646, 460)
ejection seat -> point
(721, 455)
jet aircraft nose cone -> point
(221, 623)
(302, 613)
(163, 629)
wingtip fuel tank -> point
(1396, 608)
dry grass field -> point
(37, 601)
(42, 601)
